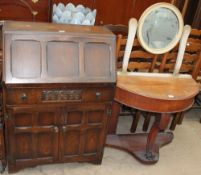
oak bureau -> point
(58, 85)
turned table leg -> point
(161, 123)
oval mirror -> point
(160, 28)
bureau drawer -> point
(37, 96)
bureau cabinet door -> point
(83, 133)
(32, 136)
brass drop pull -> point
(56, 129)
(101, 23)
(64, 128)
(109, 111)
(35, 13)
(24, 97)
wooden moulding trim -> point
(150, 104)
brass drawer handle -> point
(98, 95)
(64, 128)
(56, 129)
(24, 97)
(35, 13)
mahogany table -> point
(160, 94)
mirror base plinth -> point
(135, 144)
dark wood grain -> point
(25, 10)
(46, 132)
(141, 5)
(56, 122)
(111, 12)
(2, 145)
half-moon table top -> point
(156, 93)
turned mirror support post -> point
(131, 36)
(182, 47)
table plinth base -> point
(136, 145)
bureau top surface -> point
(39, 27)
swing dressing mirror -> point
(160, 28)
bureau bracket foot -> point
(2, 167)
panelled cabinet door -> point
(113, 11)
(83, 132)
(33, 135)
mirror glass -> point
(160, 28)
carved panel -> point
(61, 95)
